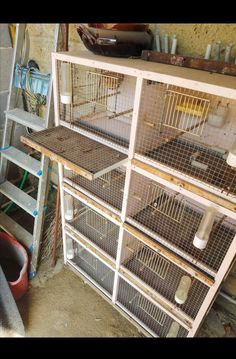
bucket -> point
(14, 263)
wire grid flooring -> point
(102, 103)
(179, 233)
(147, 312)
(179, 154)
(160, 274)
(78, 149)
(174, 130)
(96, 228)
(109, 187)
(94, 268)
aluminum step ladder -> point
(9, 153)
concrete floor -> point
(60, 304)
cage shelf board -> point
(81, 154)
(109, 187)
(178, 154)
(182, 235)
(163, 276)
(143, 309)
(98, 229)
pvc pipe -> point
(69, 210)
(217, 50)
(228, 52)
(173, 331)
(231, 158)
(158, 46)
(174, 45)
(208, 52)
(166, 40)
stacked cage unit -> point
(150, 218)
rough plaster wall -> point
(193, 38)
(192, 41)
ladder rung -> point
(19, 197)
(23, 160)
(26, 119)
(12, 227)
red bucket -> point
(14, 263)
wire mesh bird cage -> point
(91, 266)
(147, 313)
(109, 188)
(92, 225)
(190, 132)
(161, 274)
(173, 219)
(101, 102)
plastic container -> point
(173, 331)
(181, 294)
(218, 117)
(66, 84)
(202, 236)
(69, 248)
(69, 208)
(14, 263)
(231, 158)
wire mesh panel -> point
(92, 266)
(102, 102)
(161, 274)
(190, 132)
(156, 209)
(108, 187)
(94, 226)
(148, 313)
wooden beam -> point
(92, 202)
(188, 186)
(55, 157)
(169, 255)
(220, 67)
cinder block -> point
(6, 57)
(5, 39)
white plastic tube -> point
(66, 84)
(208, 52)
(173, 331)
(181, 294)
(69, 248)
(173, 45)
(69, 210)
(202, 236)
(218, 117)
(231, 158)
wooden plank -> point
(169, 255)
(92, 202)
(188, 186)
(87, 157)
(220, 67)
(55, 157)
